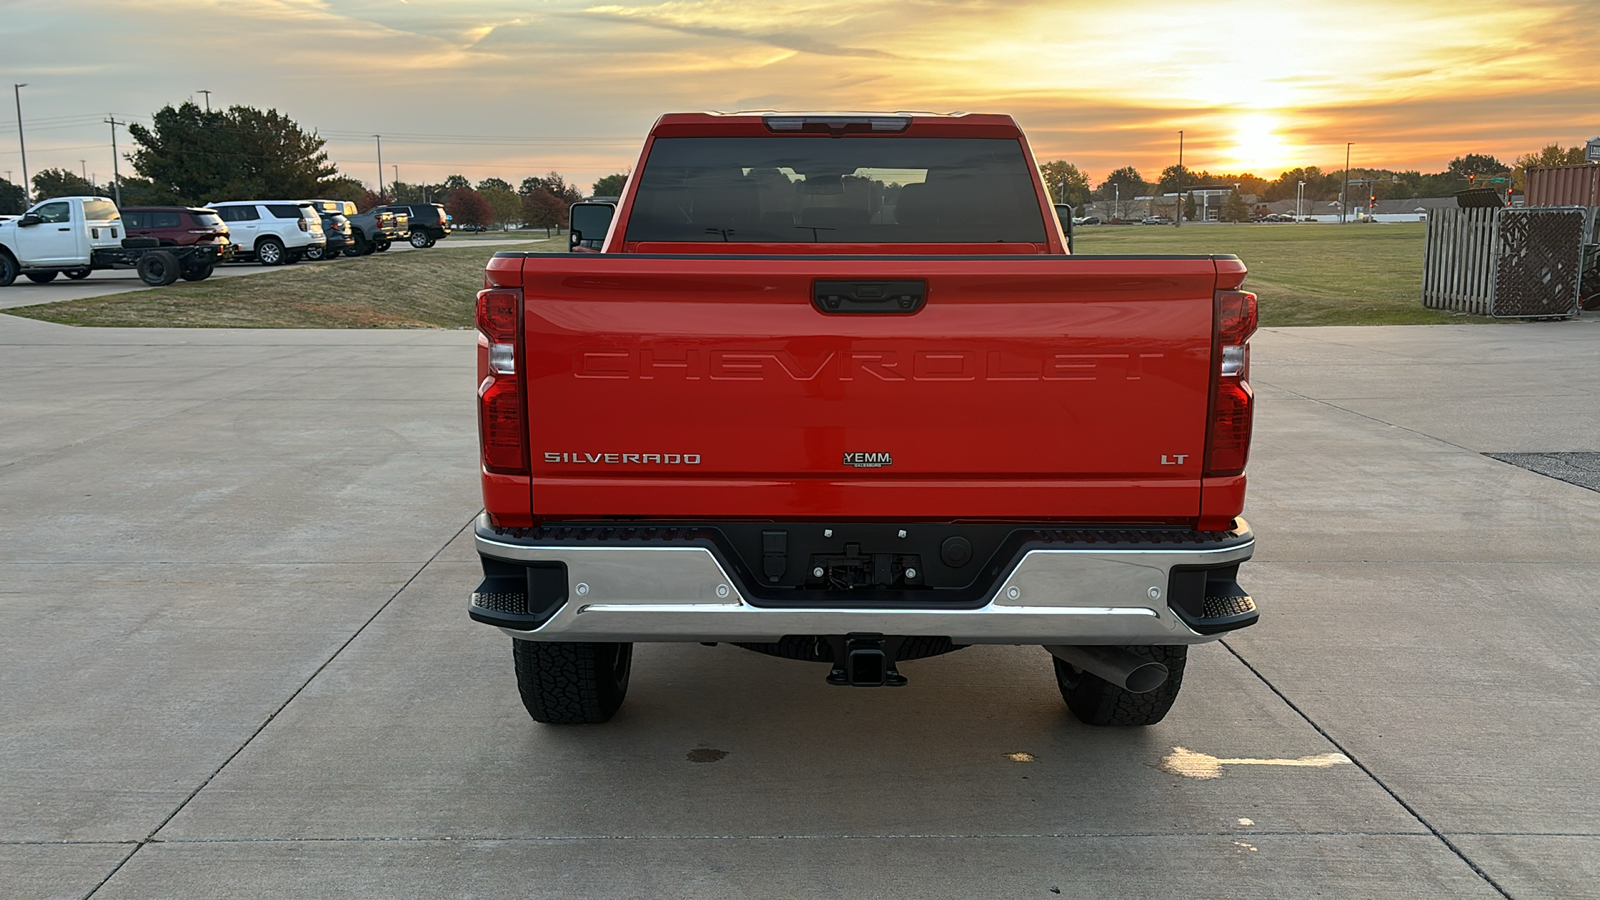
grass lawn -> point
(1304, 275)
(432, 288)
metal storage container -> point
(1564, 186)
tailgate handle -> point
(869, 296)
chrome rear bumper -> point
(1089, 595)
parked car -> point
(176, 226)
(370, 232)
(1090, 220)
(429, 223)
(272, 232)
(336, 228)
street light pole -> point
(396, 169)
(16, 89)
(1299, 197)
(1179, 217)
(208, 99)
(1116, 211)
(116, 171)
(379, 139)
(1344, 188)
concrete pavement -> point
(233, 570)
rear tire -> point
(40, 277)
(270, 252)
(381, 246)
(8, 269)
(566, 683)
(1096, 701)
(78, 274)
(158, 269)
(315, 253)
(199, 273)
(420, 239)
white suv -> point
(273, 231)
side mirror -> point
(1064, 212)
(587, 225)
(28, 220)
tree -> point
(1476, 164)
(1065, 183)
(555, 184)
(344, 188)
(468, 207)
(62, 183)
(1174, 178)
(1124, 183)
(542, 209)
(610, 186)
(1551, 155)
(456, 182)
(1234, 209)
(504, 203)
(196, 156)
(494, 184)
(13, 200)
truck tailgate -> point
(1031, 387)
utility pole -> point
(396, 182)
(1179, 217)
(379, 139)
(208, 98)
(1116, 210)
(27, 190)
(1344, 187)
(116, 172)
(1299, 196)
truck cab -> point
(63, 232)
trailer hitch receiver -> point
(865, 660)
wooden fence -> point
(1459, 263)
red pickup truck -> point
(834, 390)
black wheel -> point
(199, 273)
(565, 683)
(8, 269)
(270, 252)
(381, 245)
(315, 252)
(1096, 701)
(40, 277)
(357, 246)
(420, 239)
(293, 256)
(78, 274)
(158, 269)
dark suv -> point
(175, 226)
(429, 222)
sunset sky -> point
(518, 87)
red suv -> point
(175, 226)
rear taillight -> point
(1232, 401)
(501, 430)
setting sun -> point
(1257, 146)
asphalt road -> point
(237, 662)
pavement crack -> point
(150, 837)
(1411, 810)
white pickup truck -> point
(73, 236)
